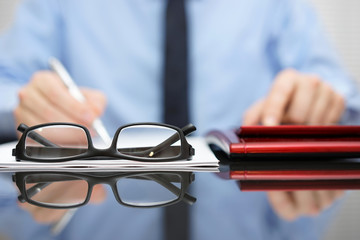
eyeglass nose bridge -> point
(114, 152)
(106, 152)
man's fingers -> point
(307, 202)
(326, 198)
(253, 115)
(299, 99)
(336, 110)
(290, 205)
(62, 192)
(95, 99)
(23, 115)
(47, 99)
(321, 105)
(39, 107)
(283, 204)
(302, 100)
(279, 97)
(339, 193)
(43, 215)
(54, 91)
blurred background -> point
(341, 20)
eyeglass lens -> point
(149, 189)
(56, 190)
(65, 141)
(149, 141)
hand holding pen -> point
(49, 96)
(47, 99)
(97, 125)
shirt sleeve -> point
(300, 42)
(25, 49)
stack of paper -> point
(203, 160)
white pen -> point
(97, 125)
(61, 224)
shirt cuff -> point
(9, 92)
(7, 127)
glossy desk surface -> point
(230, 204)
(220, 195)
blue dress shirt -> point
(237, 47)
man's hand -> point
(46, 99)
(291, 205)
(61, 193)
(296, 98)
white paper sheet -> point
(203, 160)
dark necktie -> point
(176, 65)
(175, 100)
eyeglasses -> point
(57, 142)
(63, 190)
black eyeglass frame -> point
(92, 153)
(186, 179)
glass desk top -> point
(248, 199)
(220, 205)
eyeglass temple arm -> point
(36, 137)
(33, 191)
(40, 186)
(167, 143)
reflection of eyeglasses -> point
(55, 142)
(146, 189)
